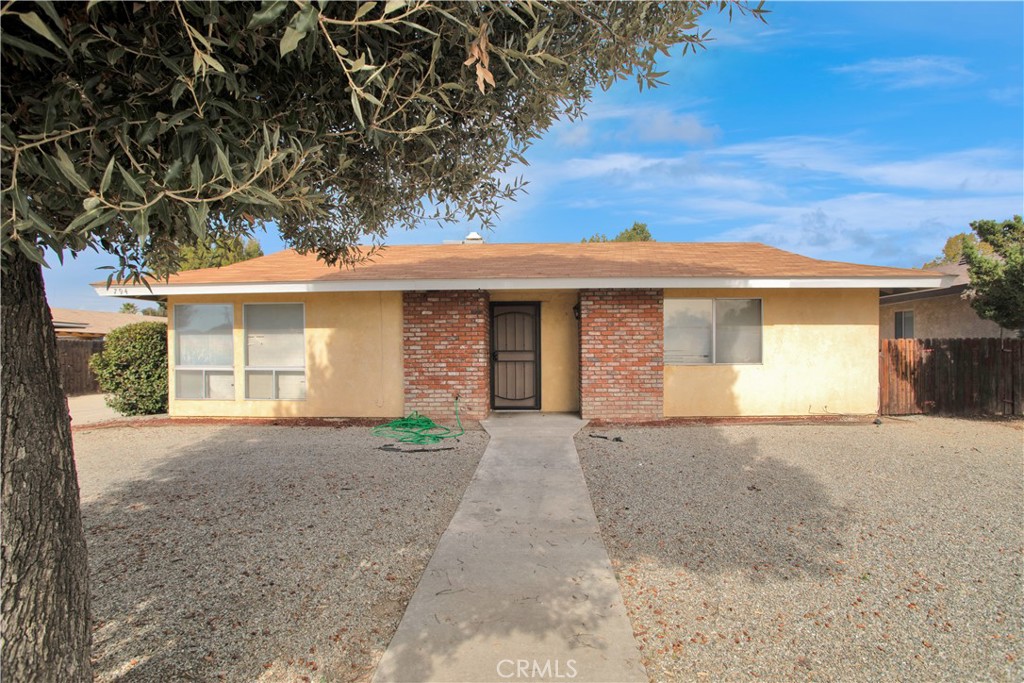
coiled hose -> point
(419, 429)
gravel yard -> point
(842, 552)
(245, 553)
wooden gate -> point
(951, 376)
(73, 356)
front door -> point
(515, 356)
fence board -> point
(73, 356)
(951, 376)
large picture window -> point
(707, 331)
(275, 351)
(204, 351)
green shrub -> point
(132, 369)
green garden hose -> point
(419, 429)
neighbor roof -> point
(74, 322)
(536, 266)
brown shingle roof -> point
(590, 260)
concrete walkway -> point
(520, 585)
(90, 409)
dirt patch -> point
(825, 552)
(244, 553)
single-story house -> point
(632, 331)
(77, 324)
(939, 313)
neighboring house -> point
(635, 331)
(940, 313)
(68, 322)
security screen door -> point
(515, 356)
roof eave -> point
(497, 284)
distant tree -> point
(129, 307)
(159, 310)
(953, 250)
(218, 253)
(997, 280)
(637, 233)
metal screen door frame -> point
(534, 312)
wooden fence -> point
(73, 356)
(951, 376)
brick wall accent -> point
(446, 351)
(621, 354)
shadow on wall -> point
(256, 553)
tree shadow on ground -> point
(711, 503)
(258, 553)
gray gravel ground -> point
(245, 553)
(843, 552)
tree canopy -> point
(997, 280)
(217, 254)
(637, 233)
(953, 249)
(139, 127)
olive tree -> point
(136, 128)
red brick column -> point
(621, 354)
(446, 351)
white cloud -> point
(898, 73)
(665, 126)
(981, 170)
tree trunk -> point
(46, 633)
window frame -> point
(714, 329)
(203, 369)
(900, 324)
(273, 369)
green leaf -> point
(132, 184)
(32, 252)
(364, 8)
(107, 175)
(197, 214)
(532, 43)
(357, 109)
(173, 171)
(197, 174)
(224, 163)
(267, 13)
(91, 203)
(26, 46)
(393, 6)
(213, 63)
(32, 20)
(67, 167)
(291, 40)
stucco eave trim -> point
(157, 289)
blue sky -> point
(865, 132)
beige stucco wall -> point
(353, 358)
(820, 355)
(559, 347)
(941, 317)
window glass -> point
(738, 331)
(188, 384)
(259, 384)
(688, 331)
(203, 334)
(904, 324)
(274, 336)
